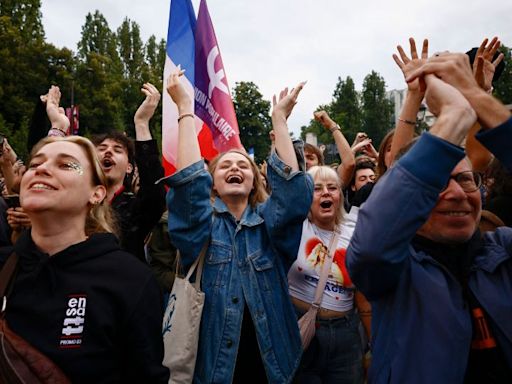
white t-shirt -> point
(305, 272)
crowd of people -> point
(415, 237)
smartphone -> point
(298, 146)
(12, 201)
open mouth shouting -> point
(107, 163)
(234, 179)
(326, 204)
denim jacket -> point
(421, 326)
(246, 264)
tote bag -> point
(181, 323)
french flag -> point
(193, 45)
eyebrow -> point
(60, 156)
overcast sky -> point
(277, 43)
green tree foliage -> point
(99, 78)
(24, 68)
(377, 109)
(344, 109)
(252, 113)
(503, 90)
(131, 52)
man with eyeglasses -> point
(441, 291)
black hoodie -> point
(92, 309)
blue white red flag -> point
(195, 48)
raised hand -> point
(287, 100)
(147, 109)
(55, 114)
(408, 65)
(359, 147)
(484, 66)
(323, 118)
(177, 91)
(359, 137)
(455, 114)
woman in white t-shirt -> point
(335, 353)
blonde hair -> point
(99, 218)
(258, 193)
(324, 172)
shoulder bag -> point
(181, 323)
(19, 361)
(307, 321)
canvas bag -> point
(307, 322)
(181, 323)
(20, 362)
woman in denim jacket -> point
(248, 326)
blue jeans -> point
(335, 354)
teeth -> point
(455, 213)
(41, 186)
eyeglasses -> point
(469, 181)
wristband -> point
(407, 121)
(335, 128)
(185, 115)
(56, 132)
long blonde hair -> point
(99, 218)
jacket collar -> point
(250, 217)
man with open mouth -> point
(136, 212)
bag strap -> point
(199, 262)
(6, 275)
(319, 292)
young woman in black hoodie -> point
(93, 309)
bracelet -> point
(185, 115)
(56, 132)
(335, 128)
(407, 121)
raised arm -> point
(483, 71)
(348, 161)
(282, 109)
(404, 131)
(454, 69)
(402, 201)
(59, 120)
(145, 112)
(188, 146)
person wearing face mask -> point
(248, 327)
